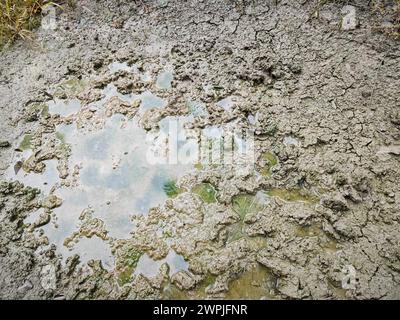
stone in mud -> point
(349, 21)
(246, 204)
(185, 280)
(27, 285)
(51, 202)
(48, 277)
(348, 227)
(44, 218)
(151, 118)
(395, 117)
(4, 144)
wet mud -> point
(98, 202)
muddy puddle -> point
(112, 173)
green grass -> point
(18, 18)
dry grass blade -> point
(18, 18)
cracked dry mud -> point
(83, 216)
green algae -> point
(325, 241)
(255, 283)
(271, 161)
(26, 142)
(198, 166)
(172, 292)
(206, 192)
(127, 258)
(235, 232)
(171, 189)
(60, 136)
(294, 195)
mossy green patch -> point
(316, 230)
(270, 161)
(295, 195)
(171, 189)
(206, 192)
(127, 257)
(245, 204)
(60, 136)
(235, 232)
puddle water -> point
(327, 243)
(206, 192)
(164, 80)
(43, 181)
(94, 249)
(257, 283)
(149, 267)
(115, 181)
(150, 101)
(252, 119)
(116, 66)
(269, 160)
(70, 88)
(25, 144)
(116, 178)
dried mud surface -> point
(326, 113)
